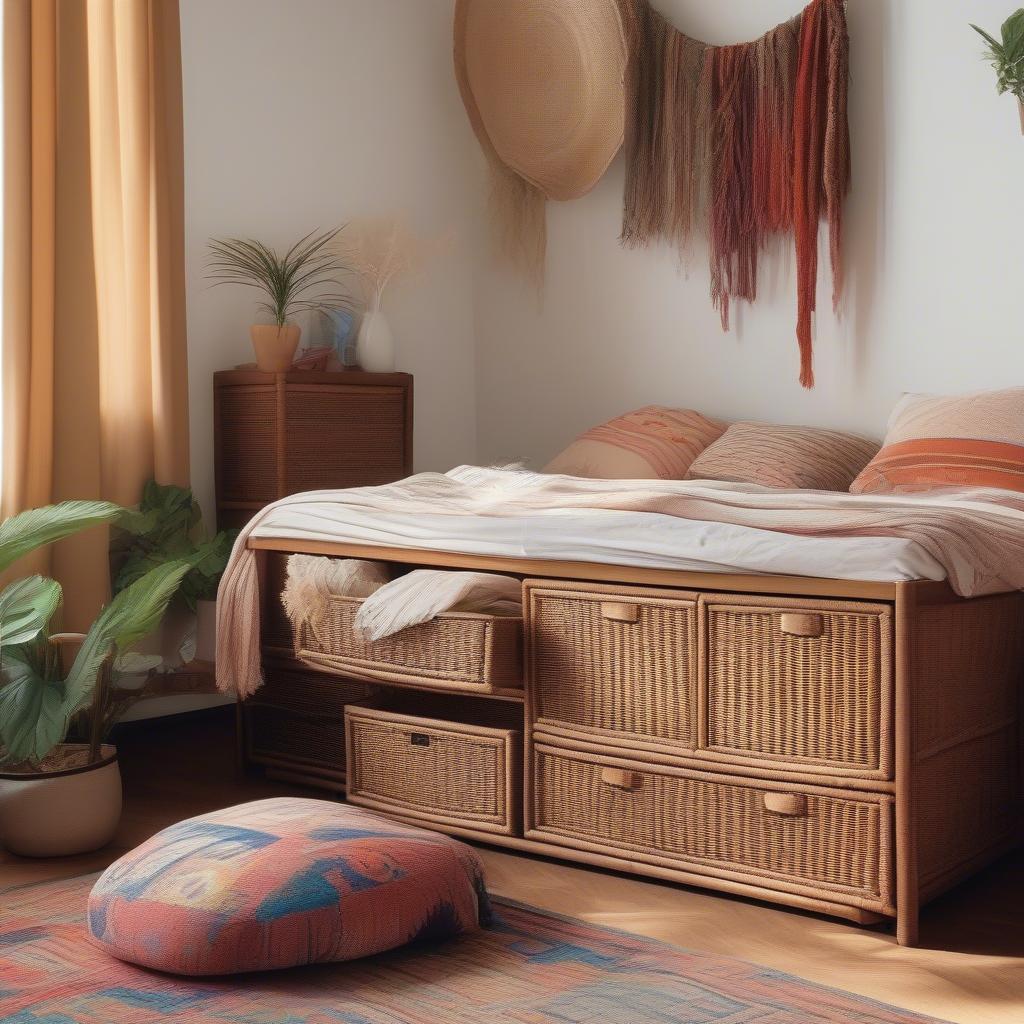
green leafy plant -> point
(303, 278)
(38, 699)
(167, 527)
(1007, 54)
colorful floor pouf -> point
(283, 882)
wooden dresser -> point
(279, 433)
(837, 746)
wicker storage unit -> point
(295, 724)
(800, 684)
(455, 650)
(280, 433)
(819, 842)
(434, 770)
(614, 665)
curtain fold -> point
(95, 396)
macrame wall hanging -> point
(745, 142)
(749, 141)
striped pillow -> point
(973, 440)
(784, 456)
(648, 444)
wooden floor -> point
(970, 969)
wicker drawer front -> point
(800, 684)
(456, 650)
(818, 842)
(446, 772)
(297, 720)
(618, 665)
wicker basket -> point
(454, 651)
(449, 773)
(800, 684)
(824, 843)
(613, 665)
(295, 724)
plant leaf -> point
(132, 613)
(26, 608)
(994, 44)
(37, 527)
(32, 719)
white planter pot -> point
(60, 813)
(206, 631)
(375, 345)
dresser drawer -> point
(440, 771)
(617, 665)
(819, 842)
(801, 684)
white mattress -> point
(644, 539)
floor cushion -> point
(281, 882)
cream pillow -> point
(784, 456)
(648, 444)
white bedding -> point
(646, 539)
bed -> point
(804, 711)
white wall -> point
(305, 113)
(933, 250)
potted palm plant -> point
(1006, 55)
(59, 797)
(300, 280)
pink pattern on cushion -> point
(664, 442)
(282, 882)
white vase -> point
(375, 346)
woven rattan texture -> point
(299, 716)
(806, 699)
(455, 647)
(429, 767)
(353, 437)
(839, 846)
(248, 444)
(627, 678)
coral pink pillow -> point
(784, 456)
(651, 443)
(972, 440)
(283, 882)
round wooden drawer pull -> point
(621, 778)
(792, 805)
(619, 612)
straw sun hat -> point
(542, 81)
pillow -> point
(973, 440)
(651, 443)
(281, 882)
(784, 456)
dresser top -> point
(359, 378)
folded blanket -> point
(424, 593)
(312, 579)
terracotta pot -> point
(62, 812)
(275, 346)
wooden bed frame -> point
(954, 726)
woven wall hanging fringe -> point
(751, 140)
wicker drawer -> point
(613, 665)
(454, 651)
(296, 722)
(424, 768)
(818, 842)
(799, 684)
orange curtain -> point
(95, 391)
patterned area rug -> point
(529, 968)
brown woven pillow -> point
(784, 456)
